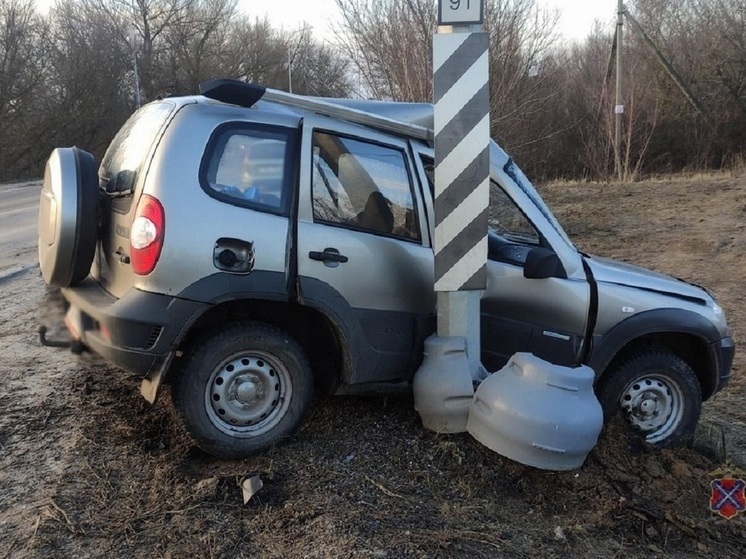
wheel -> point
(658, 394)
(68, 216)
(243, 390)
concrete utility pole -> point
(133, 48)
(290, 73)
(619, 107)
(462, 135)
(673, 74)
(292, 53)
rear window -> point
(127, 152)
(250, 166)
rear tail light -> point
(146, 235)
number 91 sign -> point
(460, 12)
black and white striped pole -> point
(462, 135)
(521, 411)
(443, 386)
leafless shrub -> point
(22, 34)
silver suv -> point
(251, 246)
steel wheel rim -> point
(654, 405)
(248, 394)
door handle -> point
(329, 255)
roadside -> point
(88, 469)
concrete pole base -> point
(458, 316)
(442, 386)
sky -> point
(576, 19)
(577, 16)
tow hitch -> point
(75, 345)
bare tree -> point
(705, 41)
(69, 77)
(325, 73)
(194, 43)
(21, 32)
(88, 74)
(523, 74)
(149, 20)
(22, 36)
(255, 52)
(389, 44)
(314, 68)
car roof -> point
(413, 120)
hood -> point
(606, 270)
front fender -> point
(658, 321)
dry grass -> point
(88, 469)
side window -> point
(249, 167)
(508, 221)
(511, 234)
(362, 185)
(505, 218)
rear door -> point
(364, 255)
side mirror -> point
(542, 263)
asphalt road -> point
(19, 203)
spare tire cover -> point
(68, 216)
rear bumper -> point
(137, 332)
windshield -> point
(130, 146)
(498, 156)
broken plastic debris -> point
(522, 413)
(250, 486)
(559, 534)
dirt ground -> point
(89, 469)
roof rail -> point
(414, 119)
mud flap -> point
(150, 385)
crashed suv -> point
(250, 246)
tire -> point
(243, 390)
(657, 393)
(68, 216)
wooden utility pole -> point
(619, 107)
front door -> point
(546, 316)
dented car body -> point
(253, 246)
